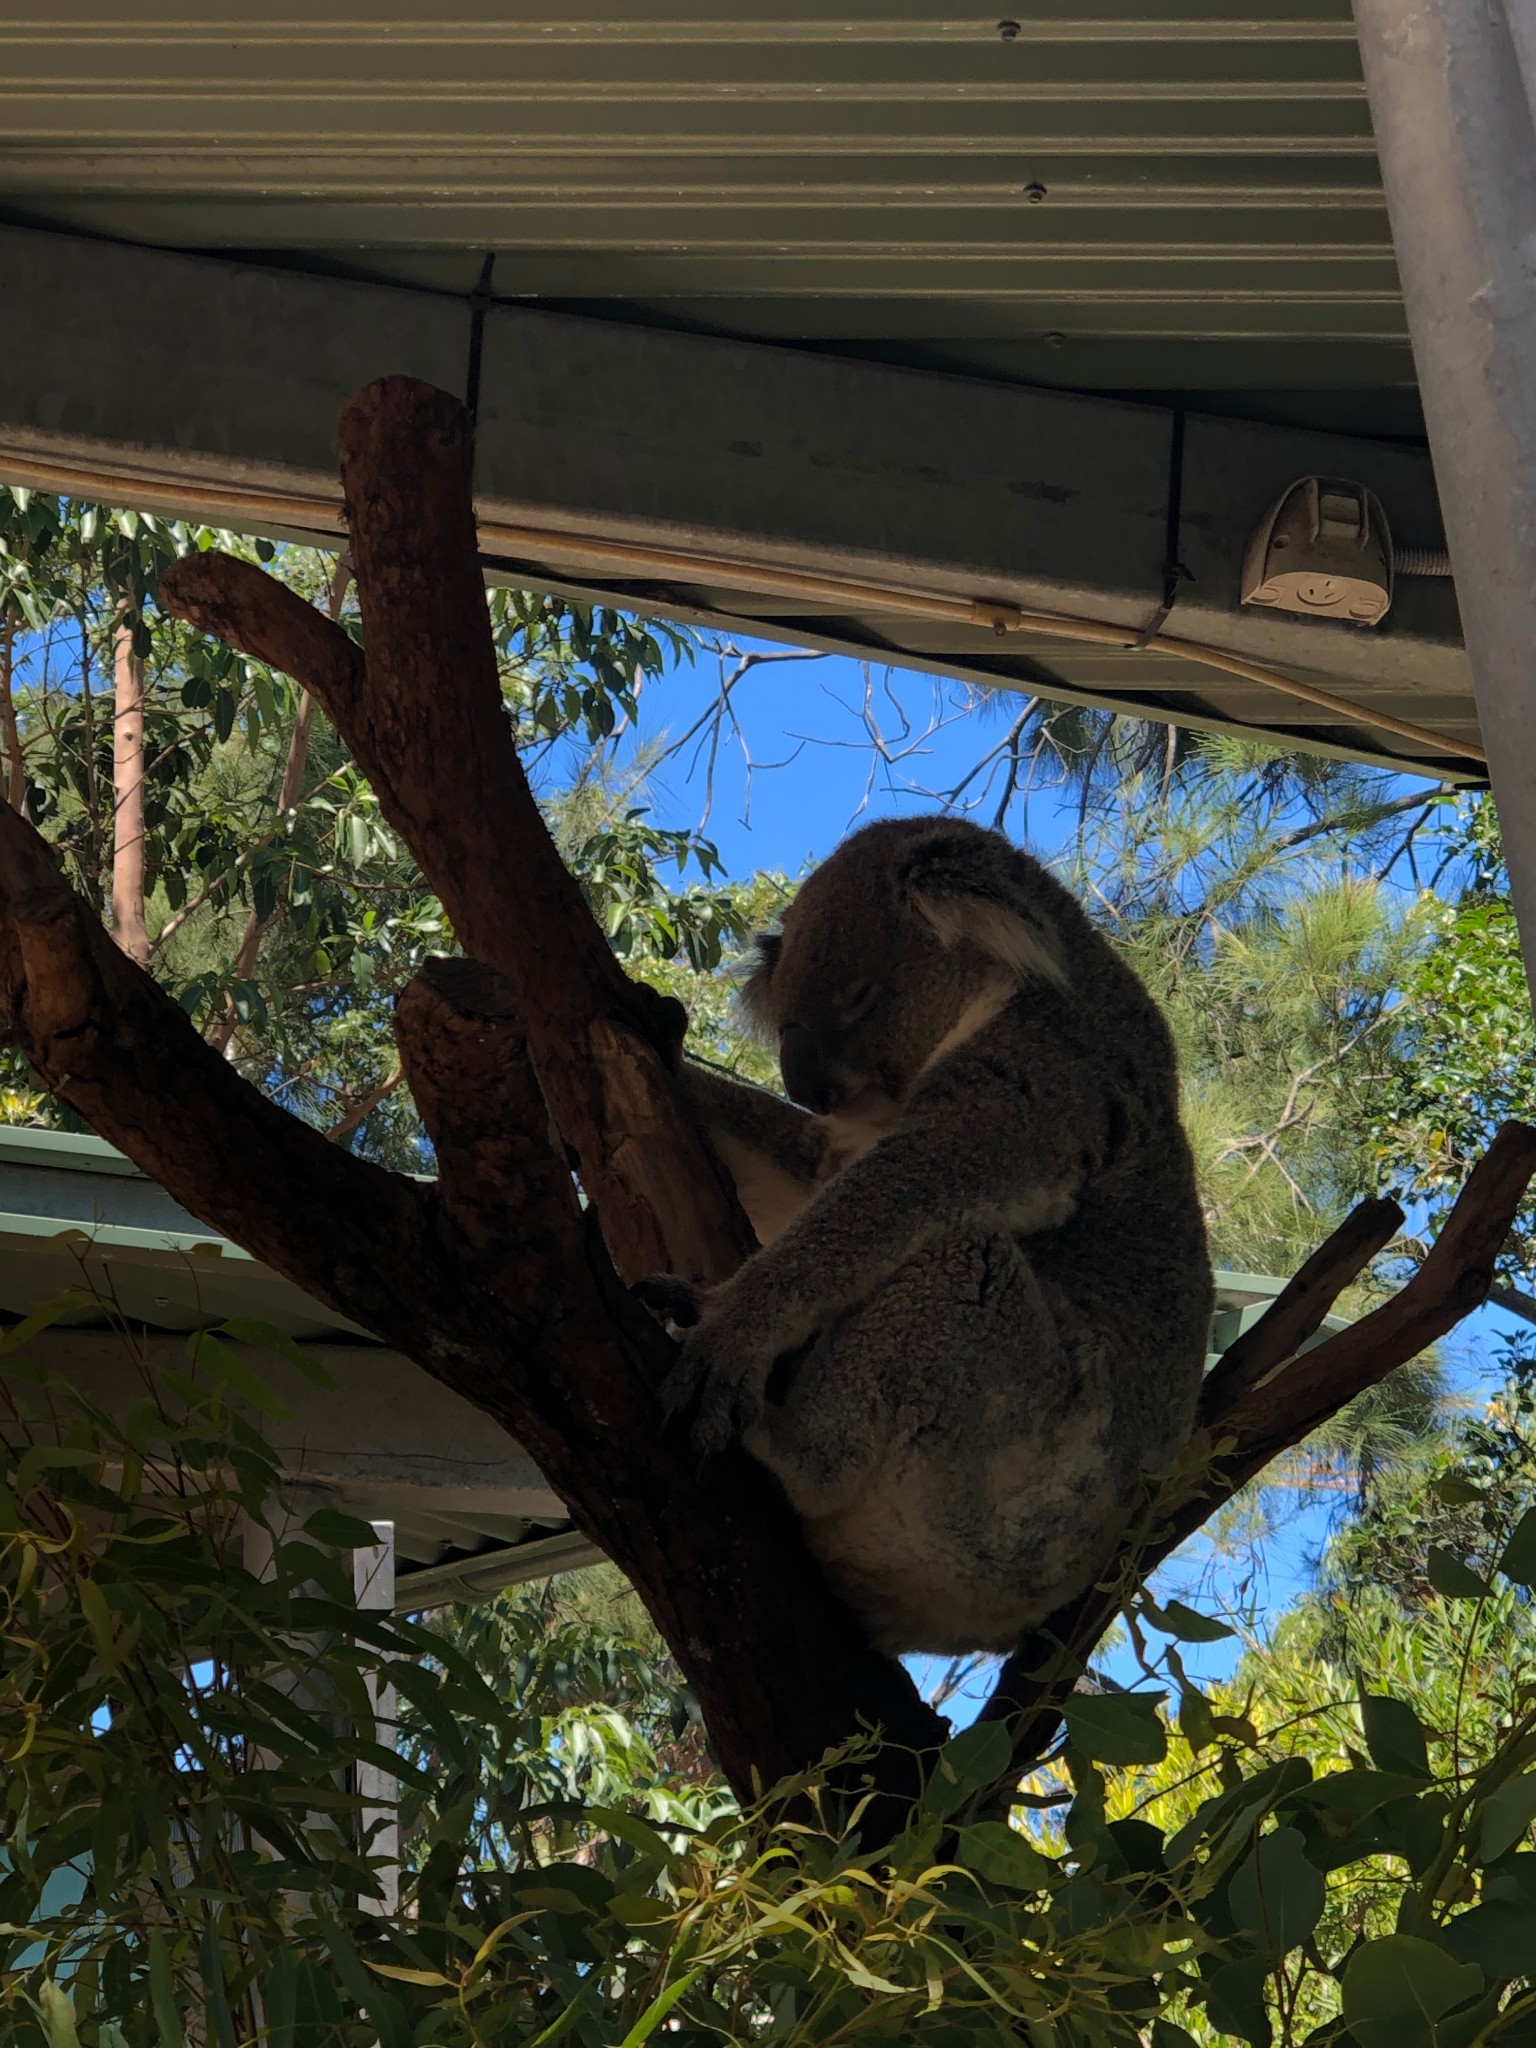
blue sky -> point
(816, 774)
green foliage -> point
(294, 928)
(1467, 1061)
(187, 1687)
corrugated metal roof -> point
(1097, 193)
(1180, 204)
(76, 1216)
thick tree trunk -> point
(535, 1054)
(128, 926)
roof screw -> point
(1009, 31)
(1034, 193)
(1054, 340)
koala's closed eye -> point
(857, 1000)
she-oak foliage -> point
(179, 1734)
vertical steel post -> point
(1450, 85)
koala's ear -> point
(964, 900)
(753, 997)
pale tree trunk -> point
(16, 774)
(128, 926)
(222, 1029)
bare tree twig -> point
(360, 1111)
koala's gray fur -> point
(981, 1306)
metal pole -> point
(1454, 129)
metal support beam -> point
(218, 397)
(1452, 85)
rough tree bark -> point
(533, 1056)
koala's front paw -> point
(719, 1374)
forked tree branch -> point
(493, 1281)
(106, 1038)
(424, 718)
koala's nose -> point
(806, 1080)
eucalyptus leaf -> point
(1499, 1937)
(1394, 1736)
(1519, 1559)
(1397, 1987)
(1453, 1579)
(1508, 1814)
(1117, 1728)
(1277, 1894)
(969, 1763)
(1187, 1624)
(339, 1530)
(1002, 1856)
(1235, 2003)
(212, 1355)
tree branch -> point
(425, 721)
(1268, 1400)
(1297, 1312)
(361, 1110)
(128, 927)
(1514, 1301)
(109, 1041)
(718, 1558)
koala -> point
(980, 1308)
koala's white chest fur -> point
(861, 1124)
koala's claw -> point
(668, 1296)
